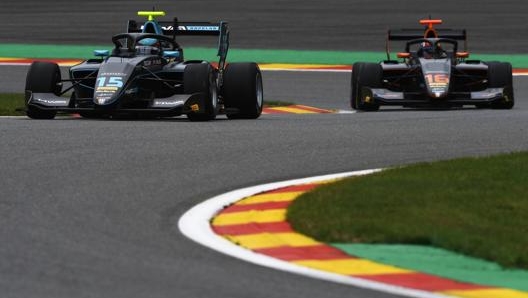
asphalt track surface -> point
(88, 208)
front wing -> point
(387, 97)
(175, 105)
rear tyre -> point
(201, 78)
(369, 75)
(42, 77)
(500, 76)
(242, 91)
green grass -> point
(11, 104)
(474, 206)
(237, 55)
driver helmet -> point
(148, 46)
(426, 50)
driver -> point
(148, 46)
(439, 52)
(426, 50)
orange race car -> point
(431, 72)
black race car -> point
(146, 75)
(431, 73)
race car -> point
(432, 72)
(146, 75)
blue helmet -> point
(148, 41)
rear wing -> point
(181, 28)
(176, 28)
(428, 32)
(408, 34)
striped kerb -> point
(295, 109)
(258, 223)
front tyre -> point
(42, 77)
(243, 91)
(354, 96)
(369, 76)
(500, 76)
(201, 78)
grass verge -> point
(474, 206)
(236, 55)
(12, 104)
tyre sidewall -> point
(370, 75)
(242, 91)
(500, 76)
(201, 78)
(354, 96)
(42, 77)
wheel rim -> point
(214, 93)
(259, 90)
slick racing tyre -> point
(369, 75)
(500, 76)
(42, 77)
(356, 68)
(201, 78)
(242, 90)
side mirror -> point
(462, 55)
(101, 53)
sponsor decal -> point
(152, 62)
(108, 89)
(167, 28)
(102, 99)
(112, 74)
(199, 28)
(51, 101)
(132, 91)
(390, 95)
(165, 103)
(104, 94)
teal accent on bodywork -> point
(101, 53)
(152, 24)
(171, 54)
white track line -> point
(195, 224)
